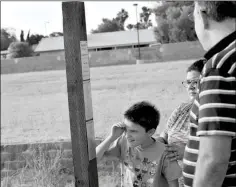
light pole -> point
(45, 23)
(139, 54)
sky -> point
(45, 17)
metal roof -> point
(4, 52)
(101, 40)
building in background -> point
(100, 41)
(4, 54)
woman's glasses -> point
(188, 83)
(190, 16)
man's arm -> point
(172, 172)
(173, 183)
(216, 126)
(214, 155)
(164, 135)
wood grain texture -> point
(74, 28)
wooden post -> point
(79, 94)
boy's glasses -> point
(188, 83)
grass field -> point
(34, 106)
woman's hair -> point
(144, 114)
(197, 66)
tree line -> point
(117, 23)
(174, 24)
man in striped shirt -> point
(210, 154)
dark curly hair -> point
(144, 114)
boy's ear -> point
(205, 19)
(151, 132)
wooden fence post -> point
(79, 94)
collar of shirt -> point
(220, 45)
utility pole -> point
(139, 54)
(45, 24)
(79, 94)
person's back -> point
(143, 161)
(209, 159)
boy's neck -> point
(148, 143)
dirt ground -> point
(34, 106)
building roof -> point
(4, 52)
(101, 40)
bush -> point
(19, 49)
(7, 37)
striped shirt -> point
(214, 110)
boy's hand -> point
(117, 130)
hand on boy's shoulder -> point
(117, 130)
(171, 169)
(160, 139)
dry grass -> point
(43, 170)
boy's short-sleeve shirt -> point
(139, 166)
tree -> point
(55, 34)
(144, 22)
(112, 25)
(31, 39)
(130, 26)
(107, 25)
(162, 31)
(173, 22)
(6, 38)
(19, 49)
(121, 18)
(35, 39)
(28, 35)
(22, 36)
